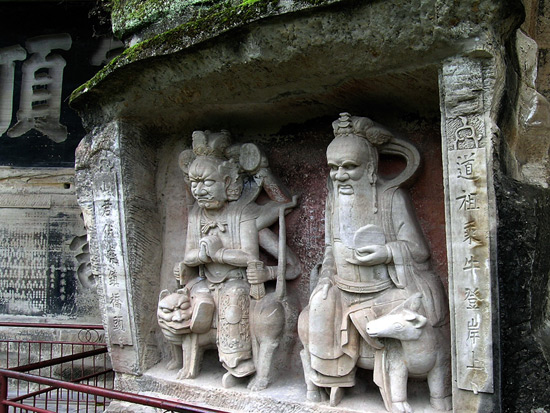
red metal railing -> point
(85, 386)
(83, 358)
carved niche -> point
(377, 304)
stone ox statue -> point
(376, 260)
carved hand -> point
(178, 270)
(324, 284)
(208, 246)
(372, 255)
(256, 275)
(203, 254)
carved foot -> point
(228, 380)
(258, 383)
(443, 404)
(318, 395)
(401, 407)
(336, 394)
(173, 364)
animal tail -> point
(280, 289)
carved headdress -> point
(214, 147)
(348, 125)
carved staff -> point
(280, 289)
(257, 291)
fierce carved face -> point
(173, 308)
(208, 186)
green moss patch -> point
(203, 25)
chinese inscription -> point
(469, 220)
(108, 218)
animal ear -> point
(414, 302)
(163, 294)
(419, 321)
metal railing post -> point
(3, 393)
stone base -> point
(286, 395)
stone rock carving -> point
(376, 260)
(225, 301)
(421, 350)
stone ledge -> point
(282, 396)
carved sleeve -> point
(407, 230)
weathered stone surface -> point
(528, 142)
(41, 231)
(115, 176)
(280, 67)
(286, 396)
(524, 285)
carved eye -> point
(166, 311)
(209, 182)
(349, 166)
(397, 326)
(333, 168)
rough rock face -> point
(523, 262)
(273, 73)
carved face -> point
(208, 187)
(350, 159)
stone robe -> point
(360, 293)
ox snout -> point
(372, 329)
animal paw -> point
(258, 384)
(443, 404)
(184, 374)
(401, 407)
(172, 364)
(318, 395)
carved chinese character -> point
(105, 208)
(112, 278)
(40, 104)
(108, 230)
(468, 201)
(473, 330)
(118, 323)
(470, 230)
(115, 300)
(111, 254)
(476, 364)
(471, 265)
(465, 135)
(466, 167)
(8, 57)
(473, 297)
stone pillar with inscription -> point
(468, 87)
(124, 249)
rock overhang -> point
(293, 63)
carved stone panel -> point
(466, 158)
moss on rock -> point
(203, 25)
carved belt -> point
(359, 287)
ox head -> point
(403, 323)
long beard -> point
(355, 210)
